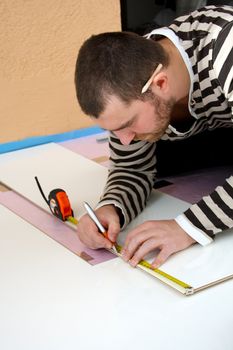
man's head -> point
(117, 63)
(111, 70)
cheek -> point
(147, 123)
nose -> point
(125, 136)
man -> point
(174, 84)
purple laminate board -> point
(52, 227)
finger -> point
(132, 234)
(93, 240)
(103, 242)
(161, 258)
(145, 228)
(131, 245)
(112, 224)
(106, 236)
(89, 235)
(113, 231)
(144, 249)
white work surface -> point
(83, 180)
(51, 299)
(55, 167)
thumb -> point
(113, 231)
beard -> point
(162, 117)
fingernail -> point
(123, 253)
(109, 246)
(155, 266)
(133, 262)
(124, 256)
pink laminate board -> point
(88, 146)
(193, 186)
(51, 226)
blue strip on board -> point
(40, 140)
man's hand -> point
(165, 235)
(88, 232)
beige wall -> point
(39, 41)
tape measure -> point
(59, 204)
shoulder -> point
(206, 20)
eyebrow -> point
(125, 125)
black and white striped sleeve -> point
(214, 213)
(222, 62)
(131, 177)
(211, 215)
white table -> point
(51, 299)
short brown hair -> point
(116, 63)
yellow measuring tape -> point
(72, 220)
(144, 263)
(147, 265)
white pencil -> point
(93, 216)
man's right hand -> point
(88, 232)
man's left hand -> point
(165, 235)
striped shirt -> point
(204, 39)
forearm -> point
(131, 177)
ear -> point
(160, 84)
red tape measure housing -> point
(59, 204)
